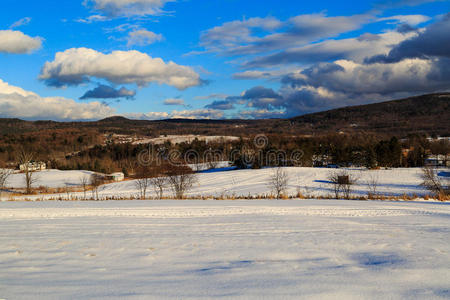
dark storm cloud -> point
(405, 28)
(434, 41)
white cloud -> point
(265, 74)
(77, 65)
(148, 116)
(21, 22)
(413, 75)
(122, 28)
(244, 37)
(108, 92)
(173, 101)
(197, 114)
(252, 75)
(212, 96)
(16, 42)
(184, 114)
(231, 34)
(127, 8)
(389, 4)
(92, 19)
(412, 20)
(16, 102)
(142, 37)
(344, 82)
(357, 49)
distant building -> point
(119, 176)
(321, 160)
(33, 166)
(438, 161)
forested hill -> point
(429, 114)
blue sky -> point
(156, 59)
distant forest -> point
(389, 134)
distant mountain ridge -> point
(426, 114)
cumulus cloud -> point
(252, 75)
(434, 41)
(21, 22)
(406, 28)
(412, 20)
(212, 96)
(142, 37)
(342, 83)
(78, 65)
(127, 8)
(256, 97)
(261, 97)
(413, 63)
(240, 37)
(231, 34)
(16, 102)
(333, 72)
(197, 114)
(174, 101)
(148, 116)
(413, 75)
(183, 114)
(305, 39)
(108, 92)
(221, 105)
(356, 49)
(16, 42)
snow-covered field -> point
(49, 178)
(308, 181)
(178, 139)
(256, 249)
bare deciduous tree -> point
(181, 179)
(431, 180)
(67, 185)
(142, 184)
(84, 183)
(130, 166)
(159, 183)
(212, 158)
(95, 181)
(372, 184)
(4, 175)
(25, 160)
(278, 181)
(342, 182)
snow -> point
(242, 183)
(254, 249)
(218, 166)
(49, 178)
(178, 139)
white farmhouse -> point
(119, 176)
(33, 166)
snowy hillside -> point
(301, 249)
